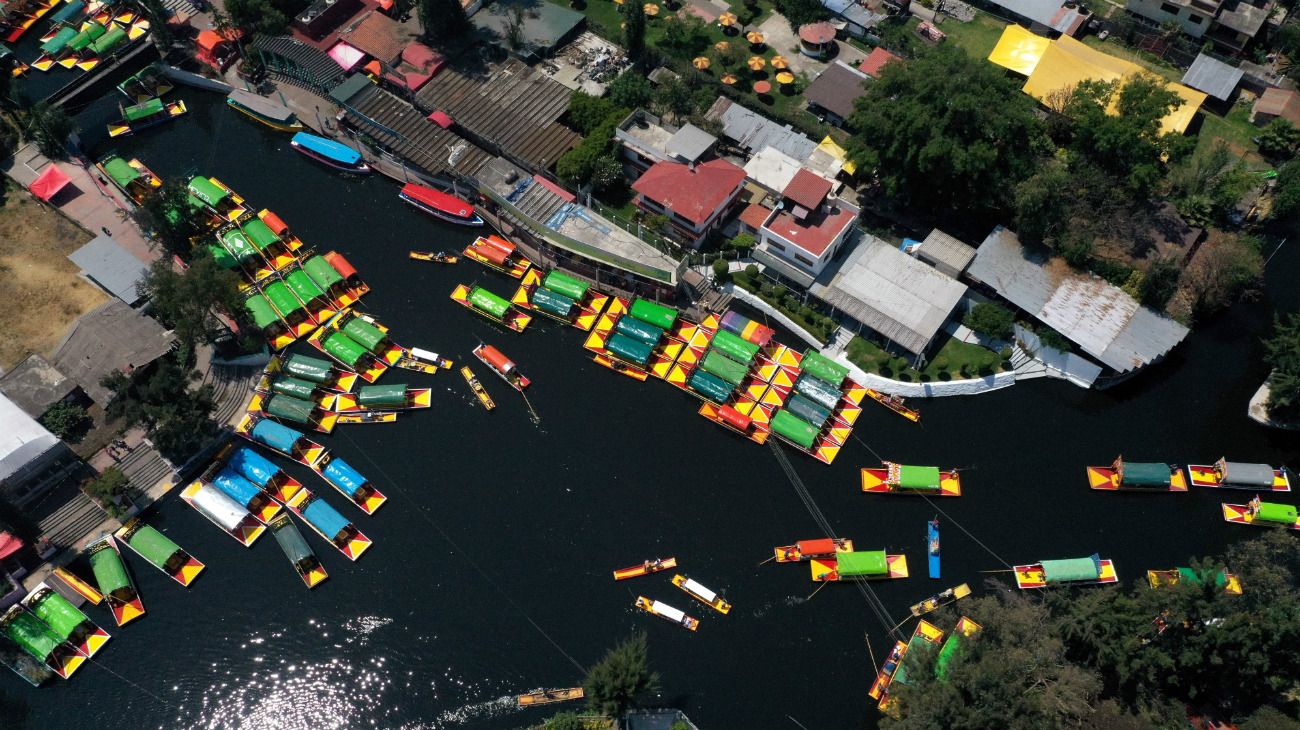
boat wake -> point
(491, 709)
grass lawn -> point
(1235, 129)
(947, 363)
(978, 37)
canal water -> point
(490, 573)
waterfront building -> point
(110, 338)
(1103, 320)
(33, 461)
(879, 289)
(944, 252)
(1230, 24)
(694, 198)
(806, 230)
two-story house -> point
(806, 230)
(695, 198)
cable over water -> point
(392, 483)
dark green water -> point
(498, 540)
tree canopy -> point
(167, 215)
(161, 400)
(634, 33)
(186, 301)
(616, 681)
(947, 134)
(443, 21)
(1282, 353)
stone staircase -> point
(1025, 365)
(144, 466)
(230, 387)
(73, 521)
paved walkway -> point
(94, 205)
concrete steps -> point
(73, 521)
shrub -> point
(106, 487)
(587, 112)
(941, 363)
(752, 270)
(720, 268)
(990, 320)
(766, 290)
(68, 421)
(742, 242)
(1053, 339)
(1005, 353)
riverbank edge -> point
(1257, 410)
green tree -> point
(742, 241)
(606, 173)
(170, 220)
(186, 301)
(801, 12)
(1118, 129)
(176, 416)
(1225, 268)
(947, 134)
(69, 421)
(158, 29)
(674, 98)
(564, 721)
(257, 17)
(631, 90)
(684, 36)
(990, 320)
(1282, 353)
(1208, 185)
(108, 486)
(634, 33)
(443, 21)
(1280, 139)
(1286, 193)
(49, 126)
(587, 112)
(615, 682)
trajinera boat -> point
(479, 391)
(502, 366)
(489, 305)
(159, 551)
(280, 438)
(263, 472)
(66, 620)
(138, 117)
(932, 546)
(1262, 514)
(21, 662)
(1092, 570)
(329, 153)
(327, 522)
(40, 641)
(864, 565)
(130, 176)
(267, 111)
(390, 397)
(224, 511)
(499, 254)
(805, 550)
(653, 565)
(113, 580)
(668, 613)
(1131, 475)
(549, 696)
(349, 483)
(440, 205)
(893, 478)
(322, 372)
(702, 594)
(301, 556)
(892, 670)
(939, 600)
(1222, 579)
(1226, 474)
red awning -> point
(9, 544)
(49, 183)
(441, 119)
(824, 546)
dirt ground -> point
(41, 289)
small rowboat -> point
(1262, 514)
(423, 361)
(330, 153)
(932, 546)
(866, 565)
(938, 600)
(368, 417)
(490, 306)
(41, 641)
(66, 620)
(805, 550)
(223, 511)
(894, 403)
(159, 551)
(1230, 583)
(893, 478)
(479, 391)
(79, 586)
(113, 580)
(300, 554)
(440, 205)
(668, 613)
(350, 483)
(498, 254)
(271, 113)
(1224, 474)
(502, 366)
(549, 696)
(702, 594)
(646, 568)
(327, 522)
(1134, 476)
(1092, 570)
(440, 257)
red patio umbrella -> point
(762, 87)
(49, 183)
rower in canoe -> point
(549, 696)
(479, 391)
(653, 565)
(894, 403)
(440, 257)
(938, 600)
(423, 361)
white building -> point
(806, 230)
(32, 460)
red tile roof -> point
(693, 194)
(819, 33)
(815, 233)
(876, 60)
(754, 215)
(807, 189)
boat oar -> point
(819, 588)
(536, 418)
(1001, 570)
(900, 623)
(765, 562)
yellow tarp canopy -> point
(1064, 62)
(1019, 50)
(834, 150)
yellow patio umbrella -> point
(722, 46)
(785, 77)
(701, 62)
(726, 20)
(728, 79)
(651, 9)
(756, 63)
(754, 37)
(779, 62)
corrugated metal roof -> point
(941, 248)
(891, 292)
(407, 131)
(1213, 76)
(35, 385)
(512, 106)
(836, 88)
(1101, 318)
(754, 131)
(22, 439)
(112, 337)
(117, 270)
